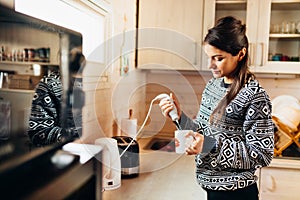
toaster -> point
(130, 160)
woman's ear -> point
(242, 53)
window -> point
(82, 16)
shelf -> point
(280, 67)
(279, 35)
(285, 5)
(230, 2)
(26, 63)
(16, 90)
(25, 68)
(231, 5)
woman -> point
(233, 128)
(45, 122)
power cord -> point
(141, 128)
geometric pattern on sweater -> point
(45, 126)
(244, 136)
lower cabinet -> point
(280, 180)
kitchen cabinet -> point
(274, 42)
(169, 34)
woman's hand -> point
(197, 144)
(166, 105)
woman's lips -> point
(215, 71)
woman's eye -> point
(219, 59)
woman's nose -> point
(210, 63)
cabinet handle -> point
(262, 54)
(196, 52)
(252, 54)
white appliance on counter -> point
(85, 151)
(111, 163)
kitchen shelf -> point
(27, 63)
(231, 5)
(25, 68)
(285, 5)
(16, 90)
(278, 35)
(231, 2)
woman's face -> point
(221, 63)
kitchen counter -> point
(167, 175)
(163, 176)
(285, 162)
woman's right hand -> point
(197, 144)
(166, 105)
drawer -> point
(279, 183)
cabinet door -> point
(261, 17)
(170, 33)
(279, 183)
(278, 36)
(258, 15)
(215, 9)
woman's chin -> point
(216, 75)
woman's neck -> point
(227, 80)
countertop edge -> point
(285, 163)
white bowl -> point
(287, 110)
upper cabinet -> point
(273, 30)
(169, 34)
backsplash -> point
(188, 87)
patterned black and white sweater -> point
(45, 122)
(239, 142)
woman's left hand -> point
(197, 144)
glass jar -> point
(298, 26)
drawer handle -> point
(272, 184)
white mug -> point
(183, 140)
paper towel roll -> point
(129, 127)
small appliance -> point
(130, 160)
(111, 163)
(173, 113)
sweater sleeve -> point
(210, 143)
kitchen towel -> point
(129, 127)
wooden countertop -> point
(163, 176)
